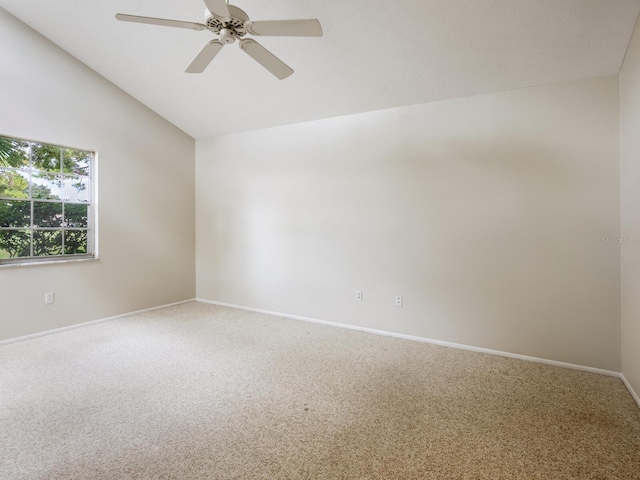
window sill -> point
(47, 262)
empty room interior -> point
(379, 240)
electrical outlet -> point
(398, 299)
(358, 296)
(49, 298)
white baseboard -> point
(631, 390)
(573, 366)
(92, 322)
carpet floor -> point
(205, 392)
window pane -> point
(75, 189)
(46, 157)
(15, 213)
(45, 200)
(75, 161)
(47, 214)
(14, 153)
(46, 186)
(75, 215)
(15, 243)
(14, 183)
(47, 242)
(75, 242)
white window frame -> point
(91, 211)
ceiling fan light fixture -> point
(227, 36)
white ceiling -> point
(375, 54)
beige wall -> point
(487, 213)
(146, 190)
(630, 208)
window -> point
(46, 202)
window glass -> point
(14, 153)
(13, 183)
(46, 204)
(15, 213)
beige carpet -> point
(204, 392)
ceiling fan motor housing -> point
(235, 23)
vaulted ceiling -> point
(374, 54)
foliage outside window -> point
(46, 205)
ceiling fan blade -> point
(218, 8)
(265, 58)
(160, 21)
(204, 58)
(285, 28)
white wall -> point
(487, 213)
(630, 208)
(146, 190)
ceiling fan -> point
(231, 24)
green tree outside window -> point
(45, 202)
